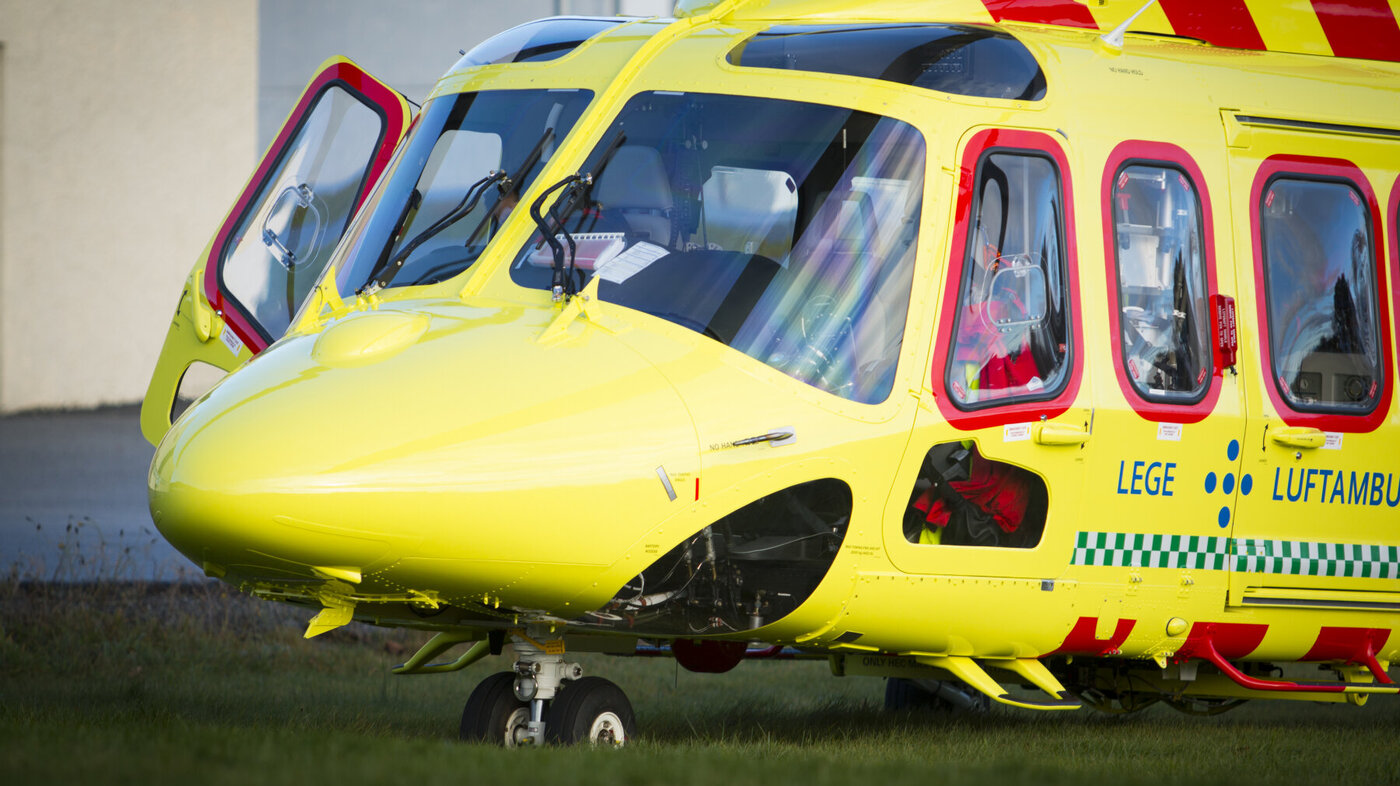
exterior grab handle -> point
(1051, 433)
(1298, 437)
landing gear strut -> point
(546, 699)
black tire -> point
(903, 695)
(590, 710)
(487, 716)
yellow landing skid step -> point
(1029, 669)
(442, 642)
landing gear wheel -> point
(903, 695)
(493, 714)
(590, 710)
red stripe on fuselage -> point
(1230, 639)
(1218, 22)
(1066, 13)
(1348, 644)
(1360, 28)
(1352, 645)
(1081, 640)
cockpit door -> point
(275, 241)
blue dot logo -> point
(1227, 482)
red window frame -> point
(1336, 170)
(1394, 216)
(1035, 143)
(345, 75)
(1167, 156)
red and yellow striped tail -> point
(1365, 29)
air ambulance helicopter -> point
(1041, 351)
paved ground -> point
(73, 498)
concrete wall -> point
(126, 131)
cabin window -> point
(784, 230)
(959, 59)
(1011, 339)
(1163, 315)
(1323, 304)
(536, 42)
(962, 498)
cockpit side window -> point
(1324, 311)
(1161, 280)
(279, 249)
(456, 178)
(1011, 339)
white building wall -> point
(124, 128)
(126, 131)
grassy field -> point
(121, 683)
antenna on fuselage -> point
(1114, 39)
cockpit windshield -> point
(785, 230)
(455, 179)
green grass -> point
(120, 683)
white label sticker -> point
(1169, 432)
(1016, 432)
(1333, 441)
(231, 341)
(1035, 384)
(631, 262)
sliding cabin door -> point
(1317, 495)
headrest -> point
(635, 178)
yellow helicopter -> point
(1037, 352)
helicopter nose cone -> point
(477, 459)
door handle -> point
(1298, 437)
(776, 438)
(1051, 433)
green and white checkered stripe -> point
(1124, 550)
(1247, 555)
(1302, 558)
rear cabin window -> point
(1161, 283)
(1011, 338)
(958, 59)
(1324, 323)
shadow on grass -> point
(155, 671)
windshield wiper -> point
(579, 192)
(511, 184)
(389, 268)
(557, 217)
